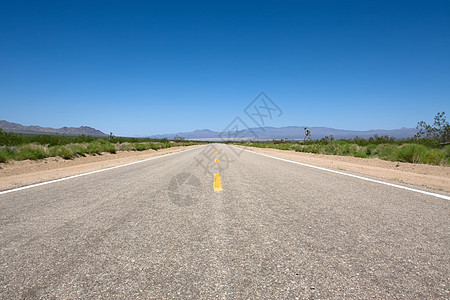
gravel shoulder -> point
(434, 177)
(20, 173)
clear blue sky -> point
(144, 67)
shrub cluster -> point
(34, 147)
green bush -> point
(146, 146)
(61, 151)
(434, 157)
(126, 147)
(94, 148)
(371, 149)
(347, 149)
(361, 152)
(33, 152)
(4, 155)
(409, 153)
(286, 146)
(446, 151)
(78, 149)
(100, 146)
(314, 148)
(108, 147)
(165, 144)
(140, 146)
(331, 148)
(156, 146)
(385, 151)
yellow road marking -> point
(217, 183)
(217, 161)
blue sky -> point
(144, 67)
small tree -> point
(307, 134)
(440, 130)
(112, 137)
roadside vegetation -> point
(430, 145)
(34, 147)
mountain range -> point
(289, 132)
(74, 131)
(231, 133)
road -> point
(157, 229)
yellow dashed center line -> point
(217, 183)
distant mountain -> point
(265, 133)
(290, 132)
(74, 131)
(196, 134)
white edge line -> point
(92, 172)
(351, 175)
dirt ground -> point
(20, 173)
(434, 177)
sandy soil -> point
(20, 173)
(434, 177)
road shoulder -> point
(21, 173)
(433, 177)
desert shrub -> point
(108, 147)
(125, 147)
(409, 153)
(78, 149)
(94, 148)
(284, 146)
(146, 146)
(61, 151)
(341, 142)
(314, 148)
(384, 151)
(165, 144)
(4, 155)
(31, 151)
(371, 149)
(331, 148)
(140, 146)
(361, 152)
(347, 149)
(446, 151)
(156, 146)
(265, 145)
(434, 157)
(298, 148)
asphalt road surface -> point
(157, 229)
